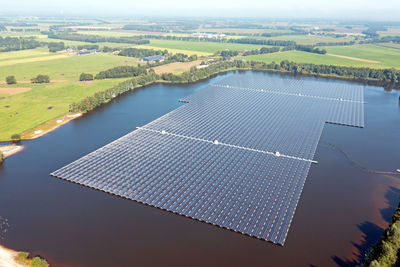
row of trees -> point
(38, 79)
(305, 48)
(17, 43)
(121, 72)
(90, 38)
(139, 52)
(99, 98)
(55, 46)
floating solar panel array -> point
(236, 155)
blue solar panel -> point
(236, 155)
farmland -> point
(27, 110)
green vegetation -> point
(55, 47)
(1, 157)
(15, 43)
(86, 77)
(16, 137)
(387, 251)
(121, 72)
(388, 57)
(40, 78)
(11, 80)
(23, 258)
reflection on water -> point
(342, 211)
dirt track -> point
(354, 58)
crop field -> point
(388, 57)
(206, 47)
(305, 57)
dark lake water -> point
(342, 211)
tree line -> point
(90, 38)
(18, 43)
(387, 251)
(121, 72)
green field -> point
(25, 111)
(57, 66)
(305, 57)
(22, 112)
(205, 47)
(388, 57)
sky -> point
(339, 9)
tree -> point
(11, 79)
(16, 137)
(1, 157)
(86, 77)
(41, 79)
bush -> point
(16, 137)
(38, 262)
(86, 77)
(1, 157)
(11, 80)
(41, 79)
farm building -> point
(88, 52)
(152, 59)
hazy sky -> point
(345, 9)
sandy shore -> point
(7, 258)
(10, 150)
(50, 126)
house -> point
(153, 59)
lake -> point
(342, 211)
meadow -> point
(305, 57)
(388, 57)
(43, 102)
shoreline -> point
(8, 257)
(9, 150)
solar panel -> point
(236, 155)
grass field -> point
(389, 57)
(22, 112)
(304, 57)
(29, 109)
(205, 47)
(390, 45)
(57, 66)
